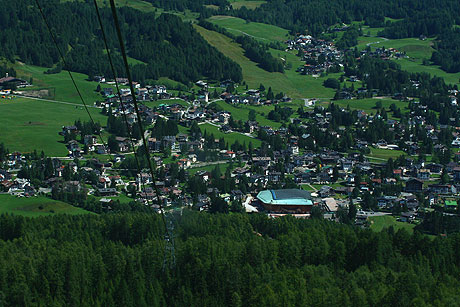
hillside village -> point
(326, 150)
(314, 150)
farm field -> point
(379, 223)
(261, 31)
(27, 124)
(291, 83)
(229, 137)
(36, 206)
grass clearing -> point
(231, 137)
(242, 113)
(368, 105)
(27, 124)
(250, 5)
(380, 153)
(36, 206)
(209, 168)
(261, 31)
(291, 82)
(378, 223)
(61, 82)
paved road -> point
(203, 164)
(384, 39)
(371, 213)
(57, 101)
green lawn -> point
(242, 112)
(27, 124)
(61, 82)
(385, 154)
(230, 137)
(36, 206)
(379, 223)
(250, 4)
(291, 82)
(136, 4)
(368, 105)
(258, 30)
(122, 198)
(416, 49)
(223, 167)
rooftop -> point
(285, 197)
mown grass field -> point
(209, 168)
(242, 113)
(250, 4)
(416, 49)
(27, 124)
(230, 137)
(291, 82)
(257, 30)
(61, 82)
(379, 223)
(36, 206)
(368, 105)
(385, 154)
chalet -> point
(442, 189)
(107, 91)
(89, 139)
(158, 89)
(414, 185)
(456, 172)
(107, 192)
(9, 81)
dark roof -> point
(290, 193)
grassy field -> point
(250, 4)
(229, 137)
(385, 154)
(416, 49)
(223, 167)
(368, 104)
(291, 82)
(379, 223)
(257, 30)
(242, 113)
(27, 124)
(61, 82)
(136, 4)
(36, 206)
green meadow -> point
(250, 4)
(291, 82)
(416, 49)
(231, 137)
(257, 30)
(385, 154)
(378, 223)
(241, 112)
(61, 83)
(27, 124)
(368, 104)
(36, 206)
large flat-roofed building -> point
(286, 201)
